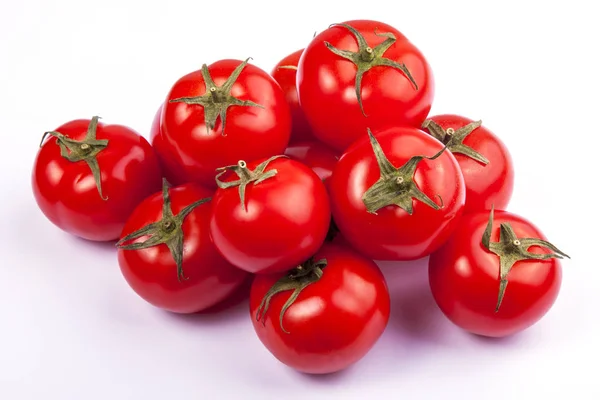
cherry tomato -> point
(314, 154)
(362, 74)
(285, 74)
(500, 287)
(223, 113)
(166, 255)
(484, 160)
(397, 195)
(275, 215)
(324, 315)
(88, 177)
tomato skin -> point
(334, 322)
(286, 78)
(250, 132)
(320, 158)
(486, 185)
(286, 219)
(66, 192)
(152, 272)
(393, 234)
(326, 86)
(464, 279)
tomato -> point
(314, 154)
(362, 74)
(501, 290)
(88, 177)
(166, 255)
(275, 215)
(225, 112)
(324, 315)
(484, 160)
(284, 73)
(397, 195)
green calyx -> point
(297, 280)
(454, 139)
(246, 176)
(217, 99)
(512, 249)
(83, 150)
(368, 57)
(167, 231)
(396, 186)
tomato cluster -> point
(298, 180)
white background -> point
(70, 327)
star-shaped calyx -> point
(368, 57)
(167, 231)
(217, 99)
(83, 150)
(453, 139)
(246, 176)
(512, 249)
(396, 185)
(297, 280)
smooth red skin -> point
(250, 132)
(490, 184)
(393, 234)
(320, 158)
(66, 192)
(334, 322)
(286, 78)
(326, 86)
(152, 272)
(286, 221)
(464, 279)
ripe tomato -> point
(275, 215)
(223, 113)
(484, 160)
(88, 177)
(324, 315)
(314, 154)
(166, 255)
(501, 290)
(390, 201)
(284, 73)
(362, 74)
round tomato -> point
(361, 74)
(397, 195)
(325, 314)
(285, 74)
(88, 177)
(225, 112)
(484, 160)
(497, 275)
(273, 216)
(166, 255)
(314, 154)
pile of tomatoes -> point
(293, 183)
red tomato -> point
(322, 316)
(485, 296)
(275, 215)
(166, 255)
(484, 160)
(88, 177)
(368, 61)
(223, 113)
(395, 205)
(314, 154)
(285, 74)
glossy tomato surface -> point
(464, 279)
(66, 191)
(334, 322)
(326, 85)
(152, 272)
(314, 154)
(392, 233)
